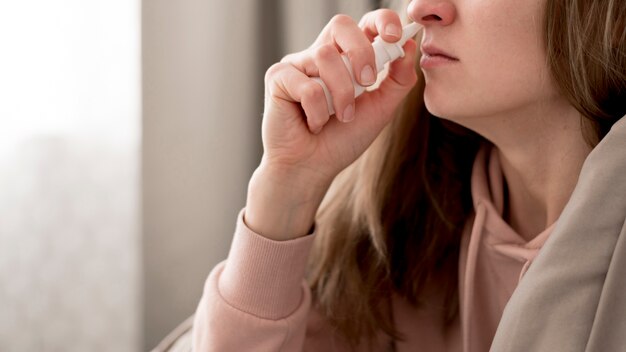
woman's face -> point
(501, 67)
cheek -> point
(508, 79)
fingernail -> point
(393, 30)
(367, 75)
(348, 114)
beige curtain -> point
(203, 67)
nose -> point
(432, 12)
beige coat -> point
(573, 297)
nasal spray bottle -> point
(383, 51)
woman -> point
(446, 180)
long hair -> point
(392, 221)
(586, 51)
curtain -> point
(129, 133)
(203, 69)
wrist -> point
(281, 204)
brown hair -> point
(586, 51)
(392, 221)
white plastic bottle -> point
(383, 51)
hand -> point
(304, 147)
(298, 133)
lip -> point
(433, 56)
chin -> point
(459, 108)
(460, 114)
(440, 106)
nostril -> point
(431, 17)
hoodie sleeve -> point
(257, 299)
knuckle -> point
(386, 12)
(272, 71)
(312, 92)
(318, 93)
(373, 13)
(325, 52)
(287, 58)
(386, 15)
(364, 53)
(341, 19)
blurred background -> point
(128, 133)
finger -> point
(375, 109)
(313, 102)
(351, 40)
(291, 84)
(304, 62)
(401, 78)
(383, 22)
(336, 76)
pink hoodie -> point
(257, 299)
